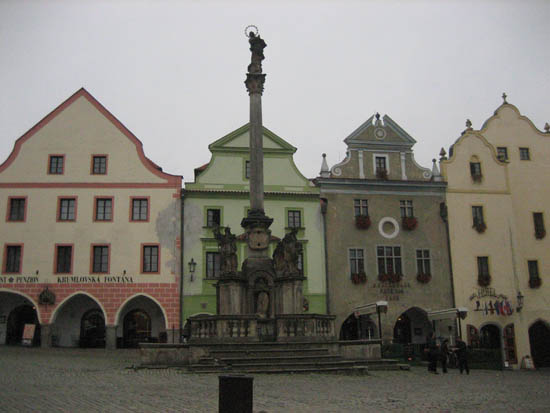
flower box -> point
(480, 226)
(477, 177)
(359, 278)
(392, 278)
(535, 282)
(362, 221)
(540, 234)
(484, 280)
(409, 223)
(381, 173)
(423, 278)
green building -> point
(220, 196)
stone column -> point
(110, 337)
(45, 336)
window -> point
(502, 153)
(484, 277)
(150, 262)
(294, 219)
(540, 231)
(104, 209)
(477, 216)
(140, 209)
(423, 265)
(247, 169)
(55, 164)
(63, 259)
(524, 154)
(356, 261)
(300, 264)
(67, 209)
(361, 207)
(389, 260)
(213, 217)
(533, 269)
(380, 163)
(99, 165)
(475, 171)
(12, 259)
(212, 264)
(406, 208)
(16, 211)
(100, 263)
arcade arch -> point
(140, 319)
(539, 341)
(18, 310)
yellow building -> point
(497, 204)
(90, 238)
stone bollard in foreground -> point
(235, 394)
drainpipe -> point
(181, 267)
(443, 212)
(324, 206)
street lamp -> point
(381, 307)
(520, 302)
(192, 265)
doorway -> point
(92, 329)
(18, 317)
(137, 328)
(539, 340)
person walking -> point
(444, 355)
(462, 355)
(432, 353)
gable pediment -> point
(378, 133)
(239, 141)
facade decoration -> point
(499, 274)
(406, 256)
(91, 240)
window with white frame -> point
(389, 259)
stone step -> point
(355, 370)
(268, 366)
(270, 352)
(271, 359)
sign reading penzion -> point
(95, 279)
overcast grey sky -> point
(173, 71)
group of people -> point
(442, 353)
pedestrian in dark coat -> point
(462, 356)
(433, 352)
(444, 355)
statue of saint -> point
(257, 46)
(227, 244)
(262, 304)
(287, 254)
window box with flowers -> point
(381, 173)
(409, 223)
(540, 233)
(535, 282)
(359, 278)
(423, 278)
(362, 221)
(390, 277)
(484, 280)
(480, 226)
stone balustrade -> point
(250, 328)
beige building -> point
(386, 238)
(498, 204)
(90, 238)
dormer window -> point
(381, 167)
(475, 171)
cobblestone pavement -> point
(74, 380)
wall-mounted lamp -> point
(192, 265)
(520, 302)
(381, 308)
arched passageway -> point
(16, 310)
(412, 327)
(358, 328)
(539, 339)
(79, 321)
(142, 321)
(490, 337)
